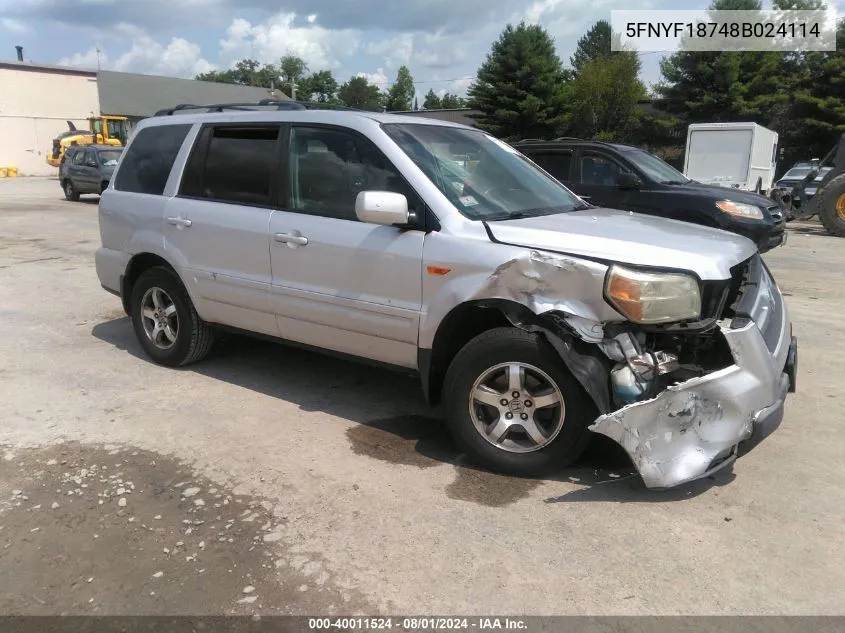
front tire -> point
(166, 323)
(512, 406)
(71, 192)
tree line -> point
(523, 89)
(292, 77)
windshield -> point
(656, 168)
(483, 177)
(109, 158)
(797, 173)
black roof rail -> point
(279, 104)
(568, 138)
(306, 105)
(530, 140)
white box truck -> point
(737, 155)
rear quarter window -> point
(149, 159)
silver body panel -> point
(363, 289)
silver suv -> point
(532, 317)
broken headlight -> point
(653, 297)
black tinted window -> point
(233, 164)
(149, 159)
(77, 157)
(599, 170)
(557, 164)
(329, 168)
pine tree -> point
(400, 97)
(519, 87)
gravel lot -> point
(340, 489)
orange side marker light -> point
(438, 270)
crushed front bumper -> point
(698, 426)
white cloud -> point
(397, 50)
(87, 60)
(377, 78)
(180, 58)
(13, 26)
(268, 42)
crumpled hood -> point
(630, 238)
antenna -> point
(98, 56)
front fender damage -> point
(556, 296)
(677, 423)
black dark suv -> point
(632, 179)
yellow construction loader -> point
(102, 130)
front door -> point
(217, 228)
(599, 180)
(339, 283)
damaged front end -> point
(683, 400)
(690, 402)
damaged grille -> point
(753, 296)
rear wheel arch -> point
(463, 323)
(136, 266)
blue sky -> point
(442, 41)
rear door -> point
(217, 227)
(338, 283)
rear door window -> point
(234, 164)
(149, 159)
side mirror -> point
(382, 207)
(627, 180)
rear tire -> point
(71, 192)
(832, 207)
(540, 436)
(166, 323)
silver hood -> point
(629, 238)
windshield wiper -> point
(674, 182)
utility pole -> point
(293, 87)
(98, 56)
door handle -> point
(179, 222)
(289, 238)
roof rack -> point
(279, 104)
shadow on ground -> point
(808, 228)
(418, 438)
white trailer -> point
(737, 155)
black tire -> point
(193, 338)
(512, 345)
(834, 194)
(71, 192)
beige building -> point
(37, 101)
(35, 105)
